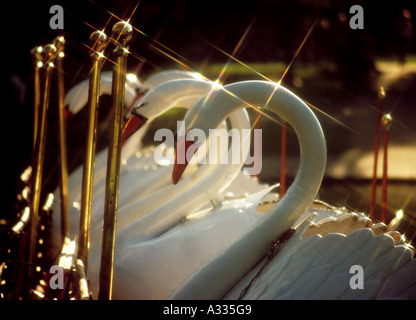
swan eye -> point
(136, 110)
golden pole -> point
(37, 52)
(99, 41)
(122, 33)
(22, 273)
(49, 53)
(60, 43)
(81, 282)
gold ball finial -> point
(49, 53)
(98, 41)
(37, 52)
(59, 43)
(386, 121)
(122, 32)
(381, 92)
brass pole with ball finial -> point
(122, 33)
(59, 43)
(49, 55)
(98, 42)
(37, 52)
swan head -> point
(177, 92)
(221, 101)
(77, 96)
(135, 121)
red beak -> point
(67, 114)
(131, 126)
(181, 163)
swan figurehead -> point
(170, 93)
(77, 96)
(219, 274)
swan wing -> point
(318, 267)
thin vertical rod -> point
(122, 33)
(38, 159)
(376, 148)
(384, 183)
(99, 40)
(37, 52)
(386, 121)
(23, 272)
(60, 42)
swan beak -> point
(131, 126)
(179, 167)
